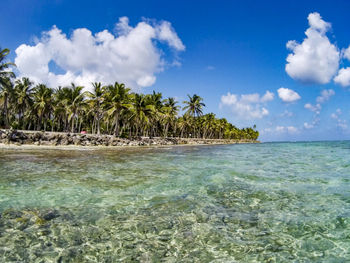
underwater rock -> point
(50, 215)
(12, 214)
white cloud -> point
(343, 77)
(288, 95)
(292, 129)
(342, 124)
(287, 113)
(316, 22)
(247, 106)
(268, 96)
(166, 33)
(282, 129)
(326, 94)
(314, 108)
(313, 124)
(334, 116)
(131, 55)
(229, 99)
(308, 126)
(346, 53)
(315, 60)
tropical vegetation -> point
(106, 109)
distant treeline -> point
(110, 109)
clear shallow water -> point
(273, 202)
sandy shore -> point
(100, 147)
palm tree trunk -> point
(79, 130)
(175, 129)
(137, 130)
(20, 117)
(6, 113)
(194, 127)
(45, 125)
(77, 123)
(93, 126)
(107, 125)
(40, 121)
(166, 130)
(72, 128)
(116, 130)
(98, 126)
(66, 123)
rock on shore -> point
(59, 138)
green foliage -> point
(110, 109)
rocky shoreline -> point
(16, 137)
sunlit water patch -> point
(273, 202)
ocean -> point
(269, 202)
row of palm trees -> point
(108, 109)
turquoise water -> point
(271, 202)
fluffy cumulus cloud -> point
(131, 55)
(316, 59)
(343, 77)
(346, 53)
(247, 106)
(288, 95)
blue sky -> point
(232, 53)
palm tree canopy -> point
(194, 106)
(110, 109)
(5, 66)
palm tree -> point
(117, 97)
(96, 101)
(4, 66)
(6, 87)
(60, 108)
(222, 123)
(111, 109)
(6, 95)
(23, 94)
(170, 114)
(208, 124)
(141, 112)
(184, 124)
(194, 108)
(155, 100)
(42, 104)
(76, 102)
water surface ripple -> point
(271, 202)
